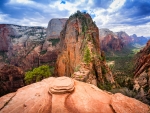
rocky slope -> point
(80, 56)
(29, 47)
(55, 95)
(142, 74)
(11, 78)
(110, 41)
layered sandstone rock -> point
(142, 74)
(125, 38)
(110, 41)
(65, 95)
(11, 78)
(80, 56)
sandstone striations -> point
(65, 95)
(110, 41)
(142, 74)
(80, 55)
(11, 78)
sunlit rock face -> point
(54, 28)
(142, 74)
(66, 95)
(110, 40)
(80, 56)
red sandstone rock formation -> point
(11, 78)
(110, 41)
(79, 35)
(125, 38)
(26, 47)
(142, 74)
(65, 95)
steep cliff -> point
(110, 41)
(54, 28)
(125, 38)
(27, 47)
(65, 95)
(142, 74)
(80, 56)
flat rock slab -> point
(62, 85)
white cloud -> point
(105, 18)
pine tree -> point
(87, 56)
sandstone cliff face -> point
(65, 95)
(80, 55)
(110, 41)
(142, 74)
(27, 47)
(54, 27)
(11, 78)
(125, 38)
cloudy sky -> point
(131, 16)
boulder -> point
(69, 96)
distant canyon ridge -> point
(29, 47)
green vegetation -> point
(123, 65)
(43, 52)
(105, 86)
(77, 68)
(87, 55)
(54, 41)
(37, 74)
(85, 19)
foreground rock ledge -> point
(65, 95)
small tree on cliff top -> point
(37, 74)
(87, 55)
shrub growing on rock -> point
(37, 74)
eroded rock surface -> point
(110, 40)
(142, 74)
(80, 56)
(84, 98)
